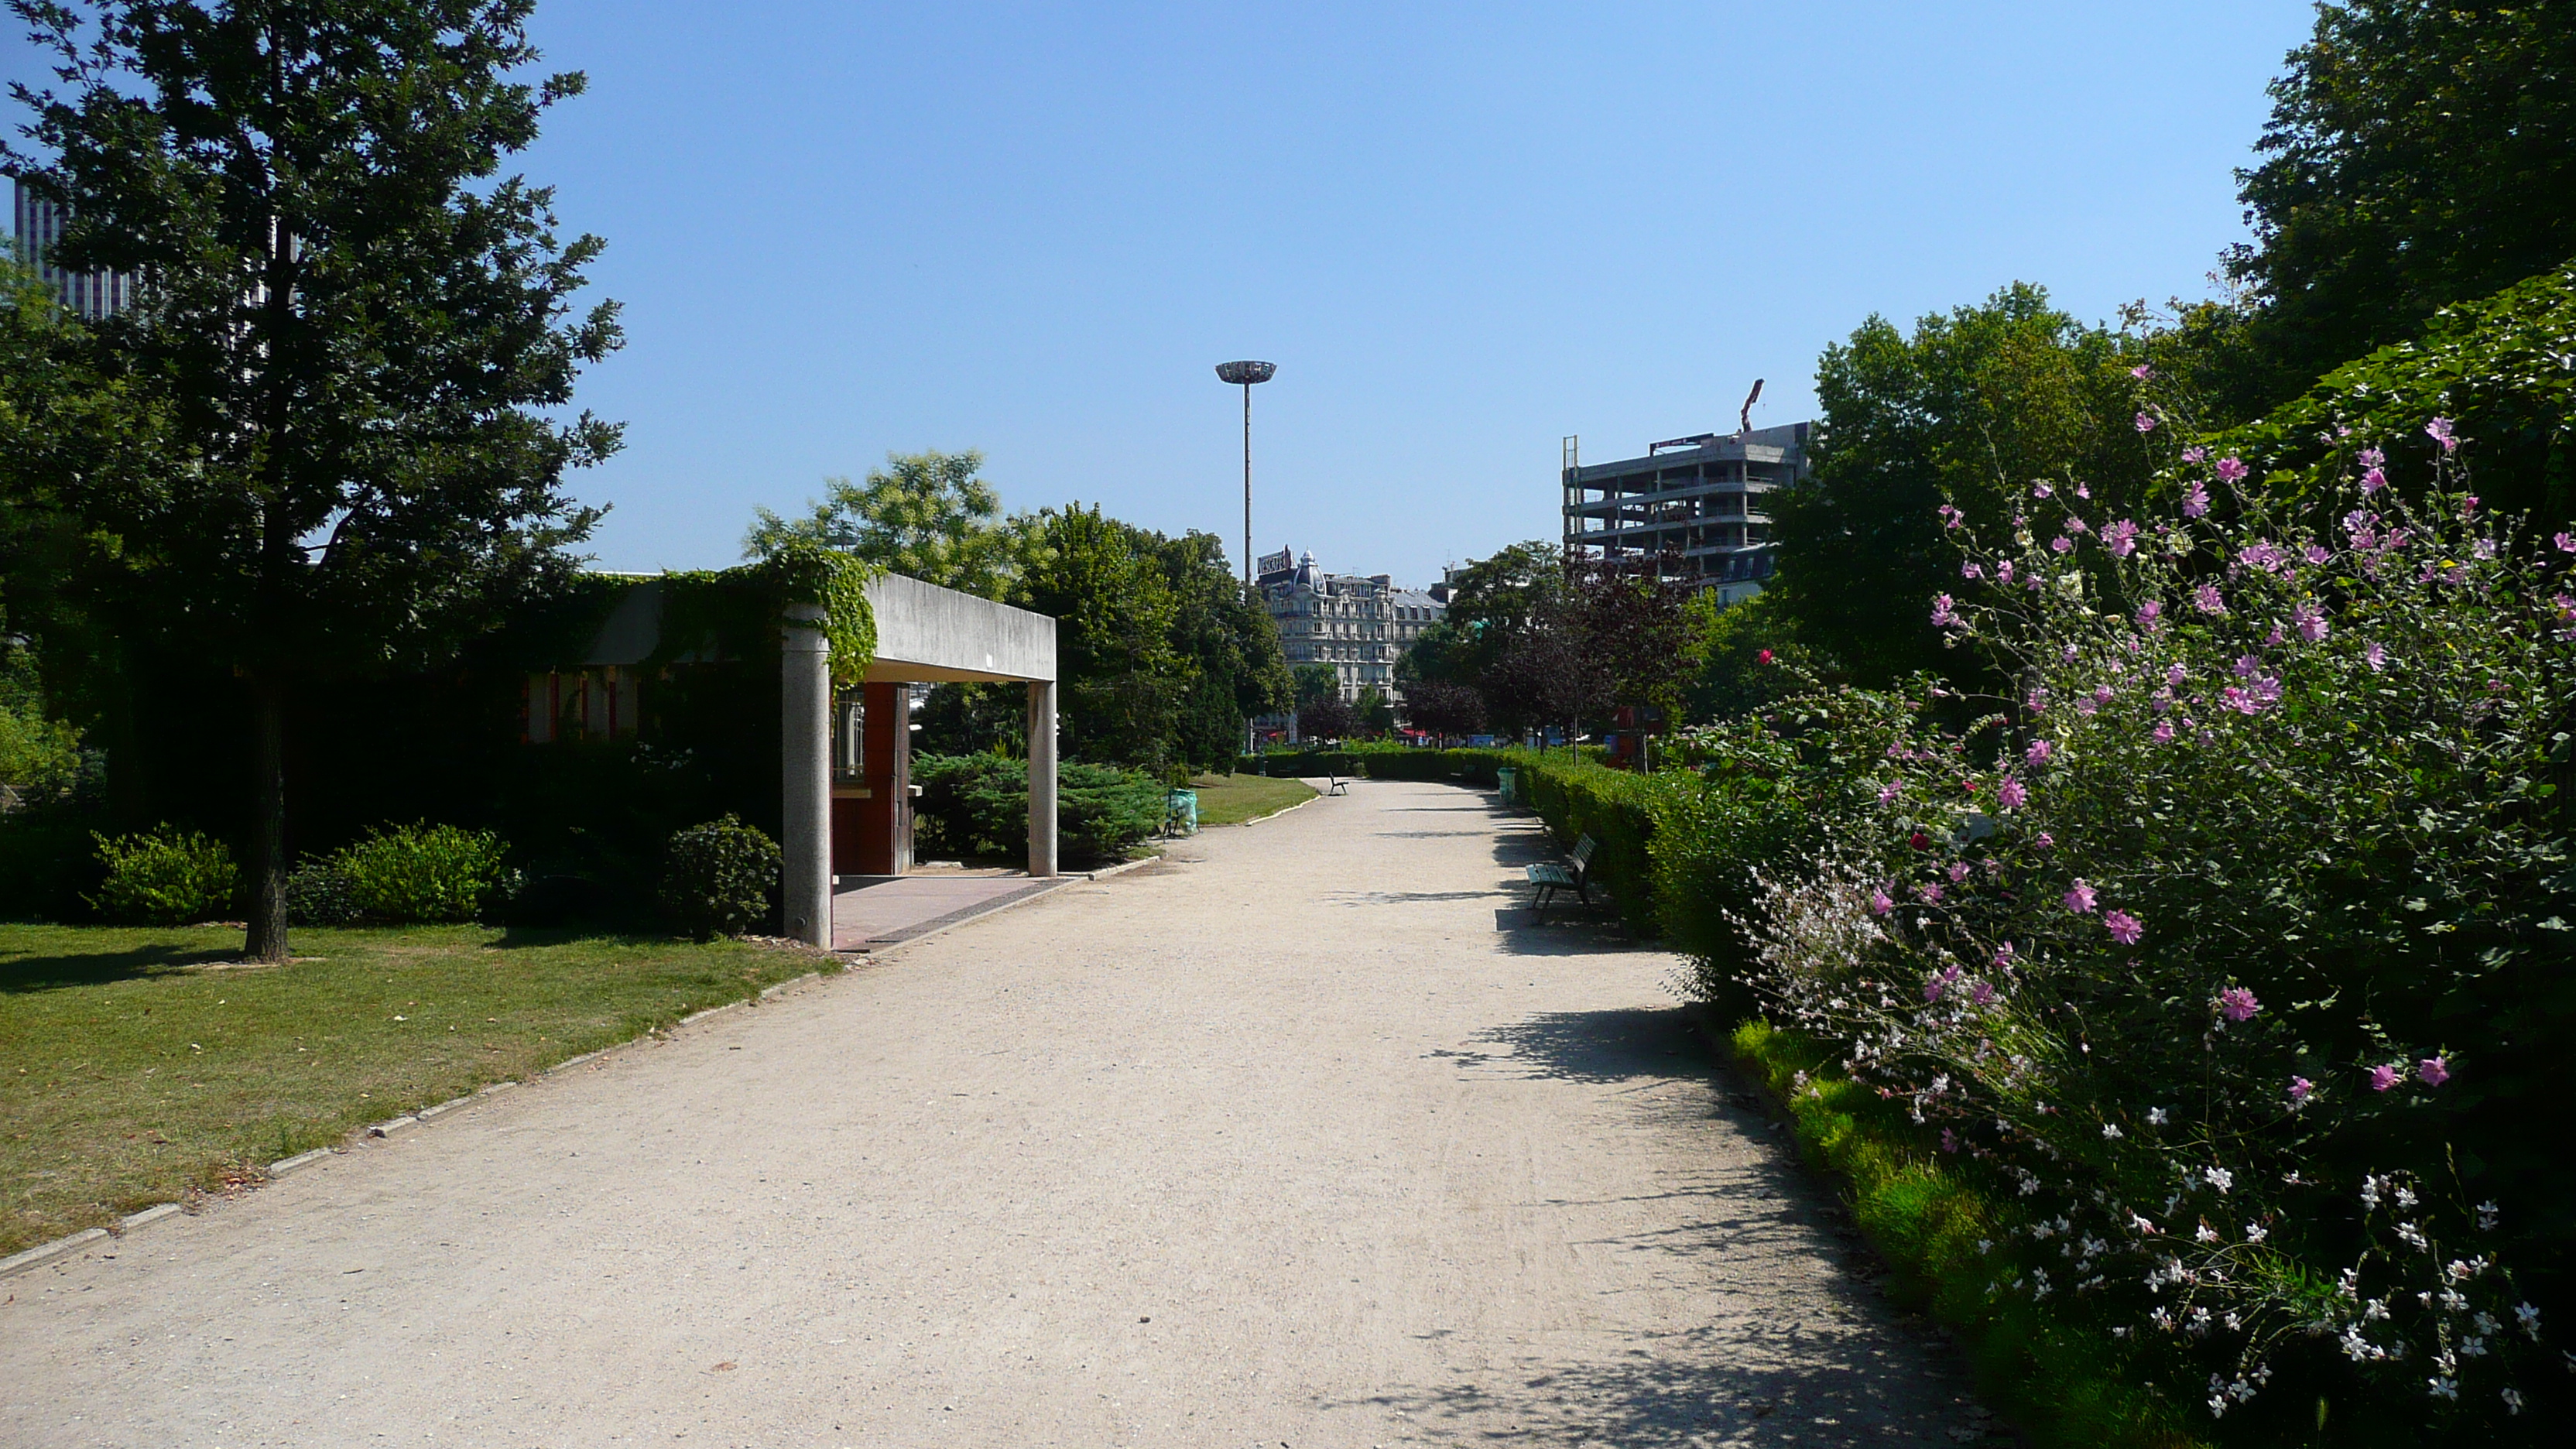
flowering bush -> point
(2235, 946)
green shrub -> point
(718, 878)
(320, 893)
(977, 806)
(414, 874)
(164, 877)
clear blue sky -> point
(1462, 231)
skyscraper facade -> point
(88, 295)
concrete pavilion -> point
(846, 754)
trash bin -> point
(1510, 780)
(1181, 813)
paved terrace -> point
(1302, 1138)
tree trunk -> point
(267, 884)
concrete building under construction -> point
(1691, 508)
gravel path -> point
(1303, 1137)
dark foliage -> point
(719, 879)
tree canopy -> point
(355, 330)
(2419, 153)
(927, 515)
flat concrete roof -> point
(929, 634)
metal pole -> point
(1247, 487)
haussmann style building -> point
(1358, 624)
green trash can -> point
(1181, 812)
(1510, 780)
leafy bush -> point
(718, 878)
(2237, 945)
(409, 874)
(320, 893)
(164, 877)
(977, 806)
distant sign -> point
(1277, 563)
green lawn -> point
(1233, 799)
(138, 1064)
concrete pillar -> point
(1042, 778)
(805, 774)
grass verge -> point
(1234, 799)
(2054, 1373)
(139, 1065)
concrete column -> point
(1042, 778)
(805, 774)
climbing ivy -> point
(803, 572)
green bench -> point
(1575, 875)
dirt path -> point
(1282, 1142)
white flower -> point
(2111, 1131)
(2488, 1215)
(2222, 1179)
(2370, 1192)
(2254, 1232)
(2207, 1234)
(2527, 1318)
(2445, 1388)
(2405, 1197)
(2155, 1116)
(2513, 1401)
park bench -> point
(1334, 784)
(1575, 875)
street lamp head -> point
(1246, 372)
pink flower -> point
(2041, 488)
(2374, 480)
(2102, 694)
(2300, 1087)
(1972, 570)
(2434, 1071)
(1949, 1139)
(2176, 675)
(2045, 841)
(1981, 993)
(2566, 542)
(1928, 894)
(2075, 524)
(2148, 613)
(1958, 871)
(1888, 792)
(1951, 517)
(2238, 1004)
(2317, 555)
(2206, 598)
(2122, 538)
(2439, 430)
(2163, 732)
(1943, 616)
(2382, 1078)
(2004, 572)
(2039, 752)
(2080, 899)
(2312, 624)
(2124, 928)
(2195, 500)
(2061, 543)
(2194, 454)
(2377, 656)
(2146, 423)
(2004, 956)
(2231, 470)
(2373, 458)
(2142, 372)
(2010, 794)
(1879, 904)
(2247, 666)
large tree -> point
(1230, 647)
(358, 329)
(928, 515)
(1969, 410)
(2420, 152)
(1119, 679)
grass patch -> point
(137, 1065)
(1234, 799)
(2054, 1371)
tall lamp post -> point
(1247, 373)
